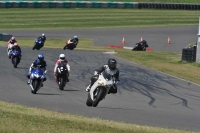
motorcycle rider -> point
(12, 40)
(42, 38)
(71, 43)
(38, 63)
(15, 47)
(65, 62)
(10, 44)
(141, 46)
(111, 68)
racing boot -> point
(28, 82)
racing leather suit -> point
(58, 62)
(114, 72)
(42, 64)
(71, 44)
(10, 45)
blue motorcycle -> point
(38, 44)
(15, 56)
(36, 79)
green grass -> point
(21, 119)
(98, 18)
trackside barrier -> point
(174, 6)
(5, 37)
(95, 4)
(189, 54)
(66, 4)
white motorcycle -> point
(100, 89)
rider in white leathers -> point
(11, 44)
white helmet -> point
(75, 37)
(13, 38)
(43, 34)
(62, 57)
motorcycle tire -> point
(15, 62)
(89, 101)
(36, 85)
(34, 47)
(98, 98)
(64, 47)
(61, 85)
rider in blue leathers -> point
(38, 62)
(42, 38)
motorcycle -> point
(70, 45)
(15, 56)
(36, 79)
(139, 47)
(100, 89)
(38, 44)
(61, 76)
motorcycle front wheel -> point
(61, 84)
(36, 85)
(34, 47)
(98, 97)
(89, 101)
(15, 62)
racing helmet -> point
(43, 34)
(15, 44)
(13, 38)
(62, 57)
(143, 41)
(112, 64)
(75, 36)
(40, 57)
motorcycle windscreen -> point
(38, 70)
(106, 75)
(15, 52)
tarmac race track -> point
(145, 96)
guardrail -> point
(95, 4)
(169, 6)
(5, 37)
(66, 4)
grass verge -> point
(97, 18)
(21, 119)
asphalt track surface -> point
(145, 96)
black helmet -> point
(112, 63)
(144, 41)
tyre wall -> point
(95, 4)
(189, 54)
